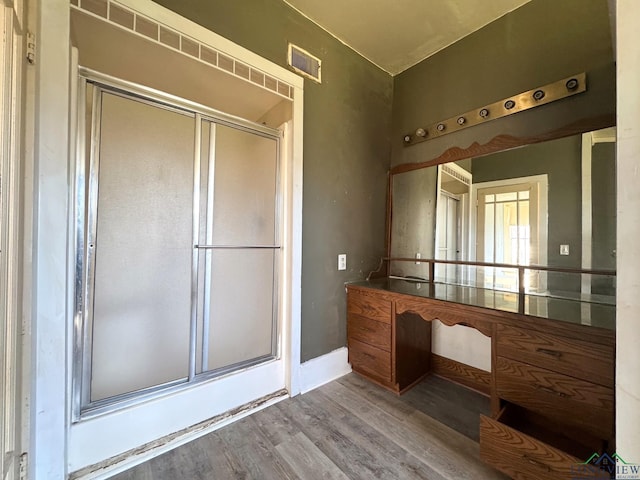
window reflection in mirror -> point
(550, 204)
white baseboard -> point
(324, 369)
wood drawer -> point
(370, 360)
(372, 332)
(369, 306)
(525, 450)
(585, 360)
(568, 400)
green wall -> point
(539, 43)
(603, 193)
(346, 153)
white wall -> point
(462, 344)
(628, 232)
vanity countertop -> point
(601, 314)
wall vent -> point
(304, 63)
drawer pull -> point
(549, 390)
(537, 463)
(546, 351)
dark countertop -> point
(597, 314)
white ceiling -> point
(397, 34)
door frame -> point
(464, 214)
(589, 140)
(442, 223)
(87, 177)
(543, 208)
(464, 177)
(11, 338)
(58, 446)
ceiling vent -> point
(304, 63)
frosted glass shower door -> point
(177, 216)
(242, 253)
(140, 245)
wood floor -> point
(347, 429)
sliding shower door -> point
(177, 247)
(241, 247)
(139, 244)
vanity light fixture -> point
(535, 97)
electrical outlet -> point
(564, 249)
(342, 261)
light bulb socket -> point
(538, 95)
(572, 84)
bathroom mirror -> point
(549, 204)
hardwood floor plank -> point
(397, 406)
(452, 404)
(341, 445)
(140, 472)
(258, 456)
(223, 463)
(446, 451)
(347, 429)
(335, 445)
(194, 462)
(169, 465)
(445, 438)
(307, 460)
(391, 461)
(275, 425)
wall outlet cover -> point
(342, 261)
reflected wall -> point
(413, 220)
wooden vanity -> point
(552, 378)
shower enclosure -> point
(178, 244)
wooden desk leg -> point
(413, 349)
